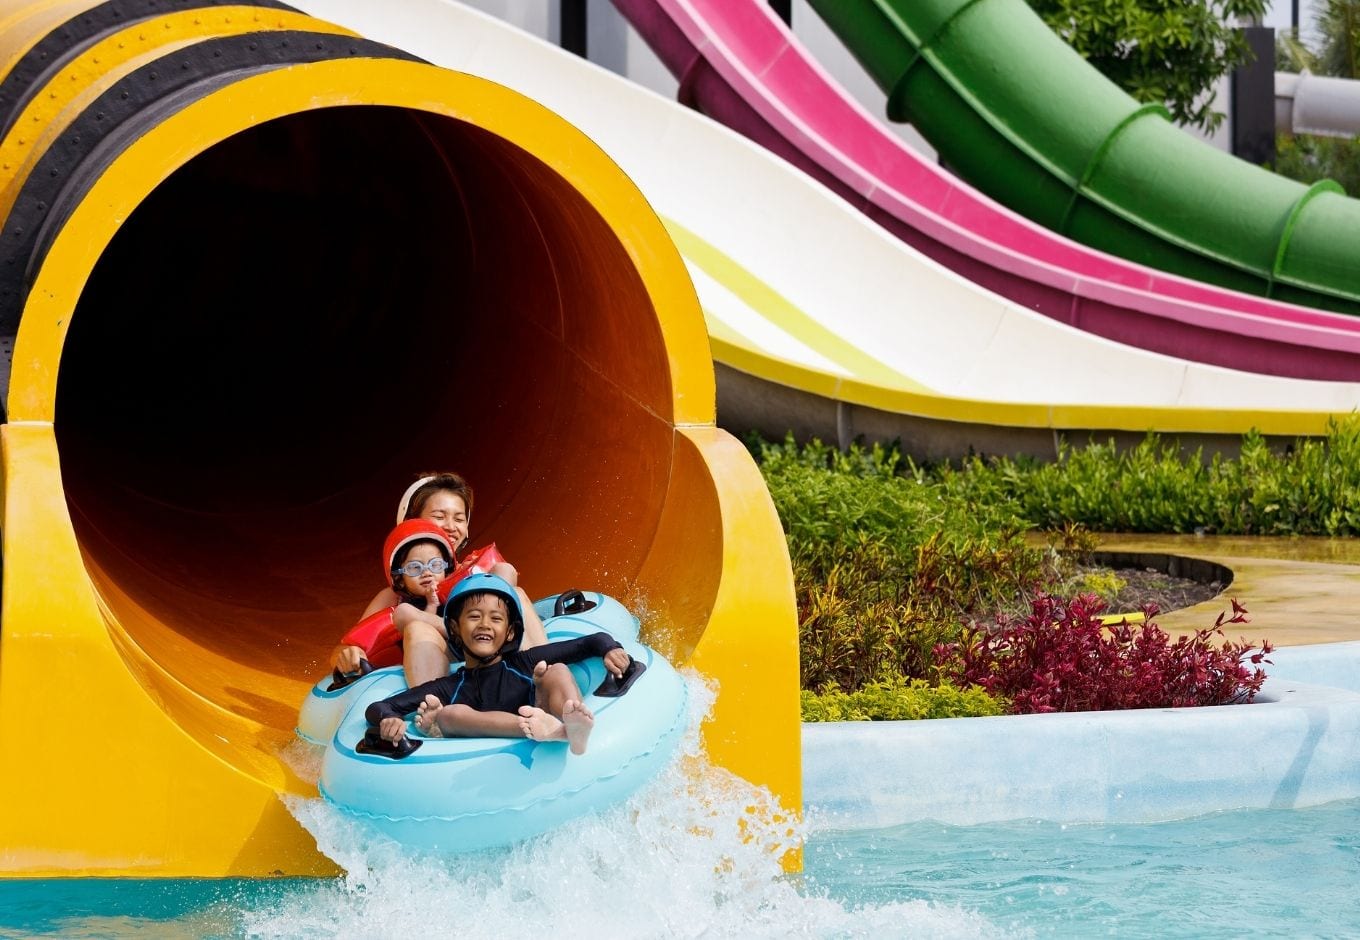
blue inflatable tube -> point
(455, 795)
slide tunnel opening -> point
(295, 323)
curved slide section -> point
(259, 272)
(823, 322)
(1015, 112)
(740, 64)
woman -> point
(444, 499)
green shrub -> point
(894, 561)
(886, 567)
(1309, 158)
(823, 494)
(871, 617)
(1311, 487)
(1103, 584)
(900, 699)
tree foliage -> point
(1311, 157)
(1330, 47)
(1168, 51)
(1337, 25)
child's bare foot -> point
(538, 725)
(577, 721)
(427, 717)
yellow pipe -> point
(119, 788)
(48, 113)
(24, 22)
(187, 583)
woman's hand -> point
(349, 658)
(616, 661)
(392, 729)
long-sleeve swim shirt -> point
(503, 686)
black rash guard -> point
(501, 687)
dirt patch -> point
(1148, 585)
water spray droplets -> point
(685, 857)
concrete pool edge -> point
(1297, 745)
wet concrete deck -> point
(1298, 591)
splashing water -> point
(694, 854)
(303, 759)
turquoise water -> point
(675, 862)
(134, 907)
(688, 856)
(1263, 873)
(1267, 873)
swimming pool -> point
(678, 861)
(1270, 873)
(1264, 873)
(1297, 746)
(675, 862)
(1160, 822)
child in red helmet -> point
(502, 690)
(445, 500)
(417, 556)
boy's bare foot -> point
(577, 721)
(538, 725)
(427, 717)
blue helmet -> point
(483, 583)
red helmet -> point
(413, 530)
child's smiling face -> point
(484, 626)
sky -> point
(1280, 13)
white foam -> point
(691, 855)
(303, 758)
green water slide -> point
(1015, 111)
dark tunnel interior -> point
(303, 318)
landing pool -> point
(1199, 823)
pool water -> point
(673, 863)
(1264, 873)
(692, 855)
(682, 870)
(113, 908)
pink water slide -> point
(739, 63)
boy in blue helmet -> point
(501, 691)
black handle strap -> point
(572, 602)
(341, 679)
(373, 743)
(614, 686)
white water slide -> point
(820, 320)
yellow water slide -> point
(257, 272)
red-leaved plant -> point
(1061, 658)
